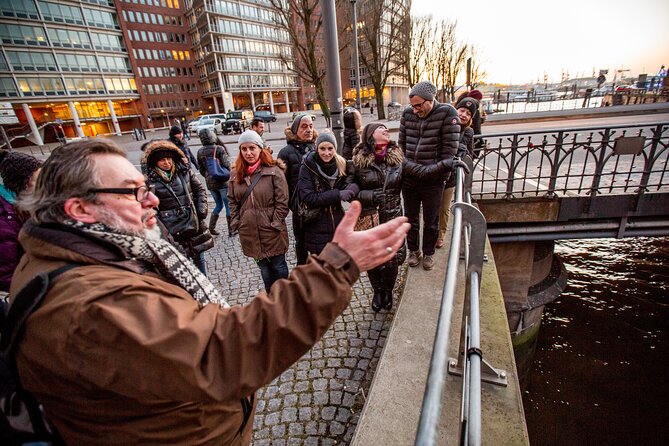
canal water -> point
(600, 374)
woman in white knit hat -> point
(258, 195)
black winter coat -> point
(207, 151)
(387, 176)
(315, 191)
(465, 147)
(292, 155)
(431, 139)
(174, 194)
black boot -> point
(377, 301)
(231, 233)
(212, 224)
(388, 300)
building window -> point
(35, 86)
(29, 61)
(77, 62)
(7, 87)
(85, 85)
(69, 38)
(21, 9)
(101, 19)
(109, 42)
(55, 12)
(22, 35)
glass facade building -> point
(238, 52)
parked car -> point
(237, 121)
(215, 124)
(265, 115)
(394, 105)
(192, 125)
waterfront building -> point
(64, 70)
(238, 51)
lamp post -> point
(357, 59)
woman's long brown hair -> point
(241, 164)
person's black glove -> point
(452, 163)
(346, 195)
(378, 196)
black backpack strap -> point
(26, 301)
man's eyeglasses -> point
(141, 193)
(418, 106)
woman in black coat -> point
(379, 169)
(325, 180)
(183, 199)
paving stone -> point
(288, 415)
(272, 419)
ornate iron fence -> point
(628, 159)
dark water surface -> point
(600, 374)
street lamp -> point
(357, 60)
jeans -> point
(429, 195)
(272, 269)
(221, 199)
(200, 263)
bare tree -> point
(420, 39)
(302, 21)
(478, 74)
(383, 25)
(450, 59)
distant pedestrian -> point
(258, 126)
(218, 188)
(176, 137)
(371, 109)
(352, 129)
(258, 195)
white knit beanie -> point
(251, 136)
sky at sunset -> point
(518, 40)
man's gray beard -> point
(111, 220)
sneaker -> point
(428, 263)
(414, 258)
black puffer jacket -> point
(430, 139)
(315, 191)
(173, 194)
(209, 143)
(292, 155)
(388, 176)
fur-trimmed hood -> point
(149, 158)
(363, 155)
(292, 137)
(352, 120)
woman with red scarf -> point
(258, 195)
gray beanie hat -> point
(425, 90)
(296, 122)
(326, 136)
(252, 137)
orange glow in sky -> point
(519, 40)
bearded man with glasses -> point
(429, 134)
(135, 345)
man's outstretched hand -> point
(369, 248)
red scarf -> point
(253, 168)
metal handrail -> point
(468, 226)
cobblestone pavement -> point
(319, 399)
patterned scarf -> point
(164, 174)
(164, 256)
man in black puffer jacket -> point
(429, 133)
(301, 137)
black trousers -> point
(429, 196)
(301, 252)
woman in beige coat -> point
(258, 195)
